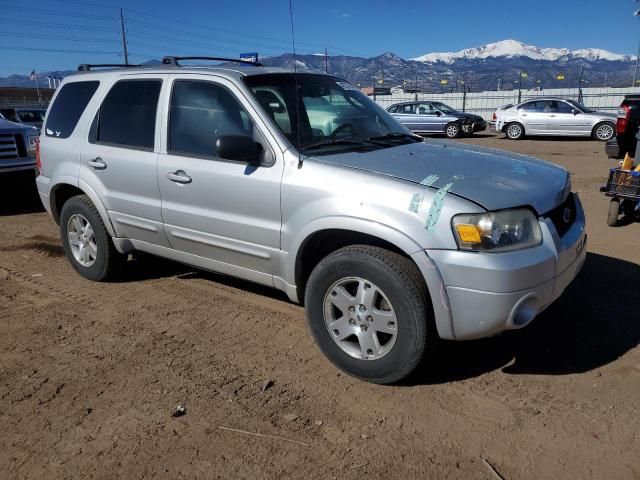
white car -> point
(554, 116)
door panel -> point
(226, 211)
(119, 161)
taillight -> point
(624, 112)
(38, 161)
(495, 117)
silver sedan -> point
(554, 116)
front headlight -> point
(497, 231)
(32, 144)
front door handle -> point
(179, 176)
(97, 163)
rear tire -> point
(603, 131)
(614, 211)
(370, 313)
(86, 241)
(514, 131)
(452, 130)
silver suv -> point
(302, 183)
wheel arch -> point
(603, 122)
(63, 191)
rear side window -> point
(68, 107)
(127, 115)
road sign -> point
(524, 74)
(560, 76)
(249, 57)
(444, 81)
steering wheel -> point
(343, 127)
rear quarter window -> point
(68, 107)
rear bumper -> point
(489, 293)
(44, 187)
(612, 149)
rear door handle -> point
(97, 163)
(179, 176)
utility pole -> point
(520, 87)
(499, 82)
(124, 39)
(326, 61)
(580, 84)
(635, 70)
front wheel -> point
(452, 130)
(614, 211)
(603, 131)
(369, 311)
(514, 131)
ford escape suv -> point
(302, 183)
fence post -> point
(464, 99)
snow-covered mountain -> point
(514, 48)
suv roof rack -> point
(174, 60)
(86, 67)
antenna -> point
(295, 78)
(124, 39)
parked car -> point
(17, 147)
(391, 242)
(28, 116)
(627, 124)
(554, 116)
(436, 117)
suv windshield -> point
(334, 116)
(443, 108)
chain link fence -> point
(485, 103)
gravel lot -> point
(89, 373)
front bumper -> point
(479, 126)
(17, 164)
(488, 293)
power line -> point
(56, 25)
(58, 37)
(60, 14)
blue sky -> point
(87, 31)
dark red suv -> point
(626, 129)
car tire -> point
(384, 303)
(603, 131)
(86, 241)
(614, 212)
(452, 130)
(514, 131)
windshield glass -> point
(334, 116)
(579, 106)
(31, 115)
(444, 108)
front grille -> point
(8, 146)
(563, 215)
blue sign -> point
(249, 57)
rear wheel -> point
(369, 311)
(86, 242)
(514, 131)
(603, 131)
(452, 130)
(614, 211)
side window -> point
(201, 112)
(393, 109)
(127, 115)
(426, 109)
(69, 105)
(535, 107)
(410, 108)
(564, 107)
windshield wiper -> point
(395, 136)
(338, 141)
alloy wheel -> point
(360, 318)
(82, 240)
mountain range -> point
(486, 67)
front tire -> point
(370, 314)
(614, 211)
(514, 131)
(86, 242)
(603, 131)
(452, 130)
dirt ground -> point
(89, 373)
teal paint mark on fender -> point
(436, 207)
(430, 180)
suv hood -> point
(491, 178)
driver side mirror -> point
(240, 148)
(438, 113)
(575, 112)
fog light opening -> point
(525, 311)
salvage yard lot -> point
(89, 372)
